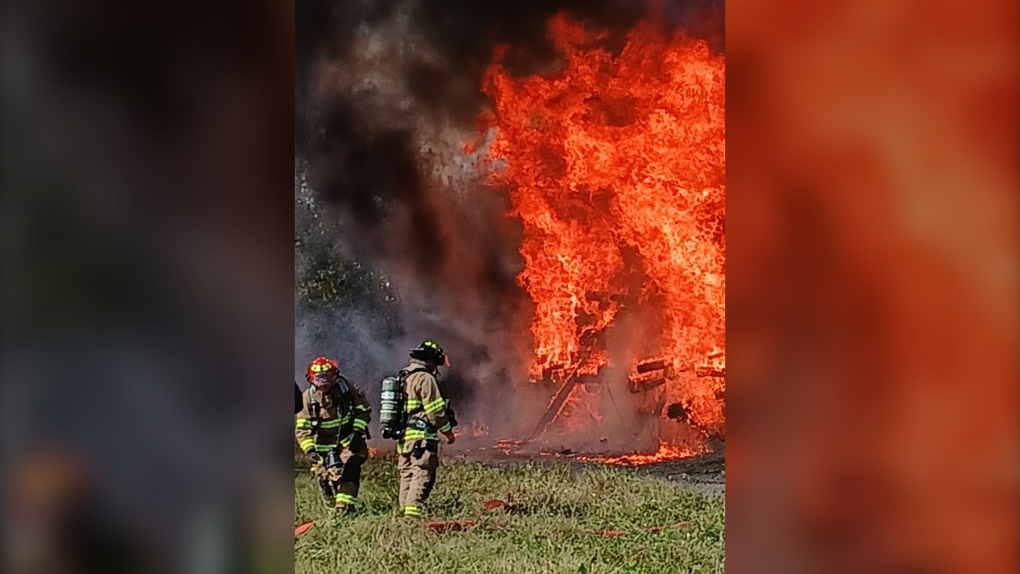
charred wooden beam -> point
(554, 407)
(569, 382)
(649, 366)
(639, 383)
(646, 376)
(637, 386)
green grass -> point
(557, 504)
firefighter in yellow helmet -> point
(331, 429)
(427, 418)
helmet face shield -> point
(324, 379)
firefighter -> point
(427, 418)
(331, 429)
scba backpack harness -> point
(392, 411)
(332, 457)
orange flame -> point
(665, 452)
(615, 167)
(479, 429)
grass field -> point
(563, 511)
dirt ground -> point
(706, 472)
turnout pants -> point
(344, 482)
(417, 477)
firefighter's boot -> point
(327, 492)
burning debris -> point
(677, 411)
(615, 167)
(665, 452)
(508, 446)
(479, 429)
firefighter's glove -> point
(313, 457)
(451, 416)
(450, 437)
(347, 440)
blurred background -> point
(872, 185)
(148, 285)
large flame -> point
(615, 167)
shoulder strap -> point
(343, 384)
(313, 408)
(403, 374)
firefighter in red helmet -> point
(331, 429)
